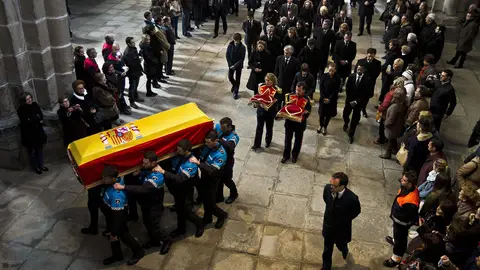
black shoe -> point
(164, 77)
(319, 130)
(267, 144)
(235, 96)
(294, 159)
(451, 62)
(165, 247)
(458, 66)
(187, 35)
(255, 147)
(220, 200)
(350, 139)
(232, 89)
(215, 36)
(133, 105)
(231, 198)
(390, 263)
(135, 258)
(116, 253)
(385, 156)
(137, 99)
(156, 85)
(369, 32)
(38, 171)
(324, 131)
(177, 233)
(225, 32)
(284, 160)
(190, 29)
(162, 80)
(389, 240)
(151, 94)
(345, 128)
(360, 34)
(106, 234)
(172, 73)
(365, 115)
(112, 259)
(345, 254)
(199, 231)
(221, 221)
(126, 112)
(43, 168)
(89, 230)
(177, 37)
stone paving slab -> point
(65, 237)
(230, 260)
(288, 211)
(28, 230)
(12, 256)
(281, 243)
(240, 236)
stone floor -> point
(276, 222)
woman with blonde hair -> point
(266, 114)
(260, 63)
(342, 30)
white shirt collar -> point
(340, 194)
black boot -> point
(137, 255)
(116, 253)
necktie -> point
(286, 61)
(288, 7)
(346, 43)
(269, 38)
(359, 78)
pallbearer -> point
(229, 139)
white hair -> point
(396, 19)
(431, 16)
(411, 37)
(289, 48)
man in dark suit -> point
(373, 67)
(343, 55)
(220, 8)
(286, 67)
(341, 208)
(359, 89)
(274, 44)
(310, 55)
(342, 18)
(252, 30)
(289, 6)
(282, 28)
(365, 12)
(325, 43)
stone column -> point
(35, 56)
(450, 7)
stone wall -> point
(35, 56)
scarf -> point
(81, 97)
(432, 175)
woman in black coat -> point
(329, 87)
(435, 45)
(85, 100)
(260, 63)
(73, 124)
(294, 40)
(150, 65)
(79, 54)
(32, 132)
(307, 13)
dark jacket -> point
(405, 207)
(342, 52)
(281, 30)
(73, 125)
(339, 214)
(443, 100)
(186, 4)
(105, 99)
(295, 42)
(284, 10)
(150, 60)
(271, 17)
(252, 31)
(262, 60)
(392, 32)
(286, 73)
(329, 88)
(310, 56)
(319, 19)
(220, 5)
(325, 42)
(405, 29)
(360, 93)
(86, 102)
(132, 61)
(307, 15)
(372, 69)
(417, 147)
(435, 45)
(467, 31)
(79, 70)
(366, 10)
(274, 45)
(31, 125)
(235, 55)
(309, 81)
(427, 33)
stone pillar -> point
(450, 7)
(35, 56)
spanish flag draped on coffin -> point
(124, 146)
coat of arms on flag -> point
(120, 135)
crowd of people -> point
(304, 44)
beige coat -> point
(394, 120)
(469, 172)
(162, 41)
(106, 101)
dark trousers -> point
(381, 132)
(197, 14)
(264, 118)
(461, 55)
(152, 215)
(234, 6)
(362, 22)
(234, 78)
(169, 65)
(226, 180)
(400, 237)
(175, 24)
(123, 234)
(250, 47)
(132, 88)
(347, 110)
(36, 156)
(437, 121)
(220, 14)
(328, 243)
(94, 202)
(324, 120)
(183, 207)
(185, 20)
(392, 146)
(364, 108)
(130, 179)
(209, 192)
(150, 81)
(291, 129)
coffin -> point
(124, 146)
